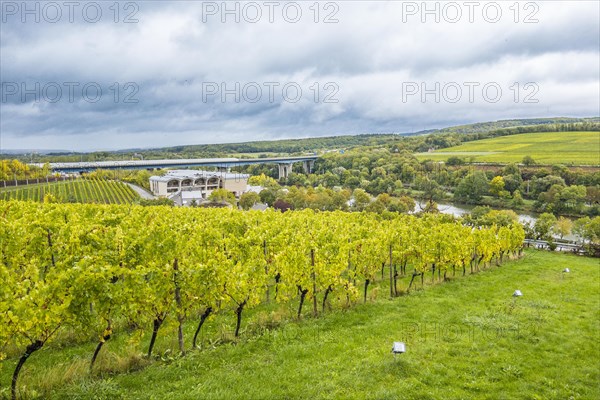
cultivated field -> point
(576, 148)
(467, 338)
(73, 191)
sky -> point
(111, 75)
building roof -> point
(179, 174)
(255, 189)
(191, 195)
(259, 207)
(181, 198)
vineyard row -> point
(95, 268)
(98, 191)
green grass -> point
(577, 148)
(467, 338)
(75, 191)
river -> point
(462, 209)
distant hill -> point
(270, 148)
(34, 151)
(286, 145)
(483, 127)
(334, 142)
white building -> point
(193, 185)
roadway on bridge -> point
(146, 164)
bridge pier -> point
(284, 170)
(308, 166)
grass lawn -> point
(467, 338)
(576, 148)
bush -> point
(162, 201)
(455, 161)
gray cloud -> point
(366, 63)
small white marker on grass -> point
(398, 348)
(517, 293)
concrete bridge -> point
(222, 164)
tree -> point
(339, 199)
(46, 169)
(455, 161)
(262, 180)
(402, 204)
(15, 170)
(512, 182)
(517, 199)
(511, 169)
(297, 197)
(484, 216)
(282, 205)
(592, 196)
(563, 226)
(431, 191)
(222, 195)
(352, 182)
(580, 227)
(497, 186)
(329, 179)
(528, 161)
(268, 196)
(471, 188)
(376, 206)
(570, 198)
(589, 231)
(543, 226)
(560, 198)
(588, 228)
(295, 179)
(540, 185)
(361, 199)
(378, 172)
(249, 199)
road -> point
(144, 194)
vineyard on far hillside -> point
(92, 270)
(98, 191)
(574, 148)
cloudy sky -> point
(95, 75)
